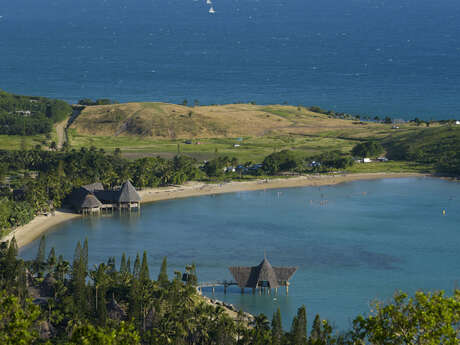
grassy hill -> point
(170, 121)
(246, 131)
(142, 129)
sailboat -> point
(211, 10)
(208, 2)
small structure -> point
(93, 198)
(90, 204)
(457, 122)
(367, 160)
(263, 276)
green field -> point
(205, 132)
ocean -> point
(352, 243)
(398, 58)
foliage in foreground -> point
(108, 306)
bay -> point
(352, 242)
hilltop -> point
(171, 121)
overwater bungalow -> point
(263, 276)
(93, 198)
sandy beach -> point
(29, 232)
(190, 189)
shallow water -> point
(369, 239)
(399, 58)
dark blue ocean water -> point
(370, 239)
(380, 57)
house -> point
(93, 198)
(263, 275)
(457, 122)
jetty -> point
(262, 278)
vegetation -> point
(439, 146)
(106, 305)
(23, 115)
(39, 181)
(102, 101)
(367, 149)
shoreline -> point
(27, 233)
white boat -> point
(208, 2)
(212, 11)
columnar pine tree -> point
(277, 329)
(137, 266)
(163, 276)
(315, 335)
(144, 274)
(51, 261)
(128, 264)
(79, 273)
(299, 327)
(40, 258)
(123, 266)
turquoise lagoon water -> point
(369, 239)
(395, 57)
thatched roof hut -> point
(128, 193)
(93, 187)
(90, 202)
(262, 275)
(115, 311)
(47, 287)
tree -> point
(17, 322)
(163, 276)
(280, 161)
(367, 149)
(144, 274)
(299, 327)
(137, 266)
(277, 329)
(426, 318)
(39, 264)
(123, 265)
(123, 334)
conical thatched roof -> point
(90, 201)
(264, 273)
(115, 311)
(47, 286)
(128, 193)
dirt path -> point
(61, 134)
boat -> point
(212, 11)
(208, 2)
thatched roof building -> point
(94, 197)
(262, 275)
(90, 202)
(128, 193)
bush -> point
(367, 149)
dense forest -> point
(49, 300)
(24, 115)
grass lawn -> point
(251, 148)
(15, 142)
